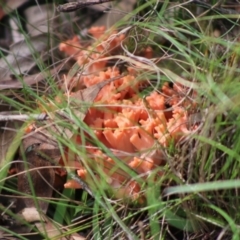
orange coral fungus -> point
(97, 32)
(71, 47)
(130, 126)
(94, 53)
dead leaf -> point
(31, 79)
(35, 173)
(39, 19)
(20, 58)
(40, 152)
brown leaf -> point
(41, 153)
(21, 57)
(30, 80)
(36, 171)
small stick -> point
(73, 6)
(22, 117)
(216, 8)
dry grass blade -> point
(8, 131)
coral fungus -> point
(132, 127)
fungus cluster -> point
(135, 128)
